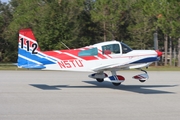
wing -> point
(118, 66)
(115, 66)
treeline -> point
(78, 23)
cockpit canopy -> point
(110, 47)
(116, 48)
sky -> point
(4, 1)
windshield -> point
(125, 48)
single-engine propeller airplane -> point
(98, 58)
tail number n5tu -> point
(27, 42)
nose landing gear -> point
(142, 77)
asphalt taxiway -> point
(55, 95)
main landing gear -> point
(116, 80)
(99, 76)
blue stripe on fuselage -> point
(146, 60)
(34, 57)
(40, 54)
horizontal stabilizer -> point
(33, 66)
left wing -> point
(111, 66)
(118, 66)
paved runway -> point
(54, 95)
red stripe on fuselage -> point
(60, 56)
(73, 52)
(100, 55)
(68, 54)
(89, 58)
(104, 55)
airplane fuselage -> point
(133, 59)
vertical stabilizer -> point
(28, 50)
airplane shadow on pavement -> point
(142, 89)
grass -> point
(163, 68)
(8, 67)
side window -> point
(89, 52)
(125, 48)
(116, 49)
(111, 49)
(106, 49)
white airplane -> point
(98, 58)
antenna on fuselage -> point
(65, 45)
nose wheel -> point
(142, 77)
(142, 81)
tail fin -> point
(27, 39)
(28, 50)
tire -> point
(116, 84)
(142, 81)
(100, 79)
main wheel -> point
(142, 80)
(116, 84)
(100, 79)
